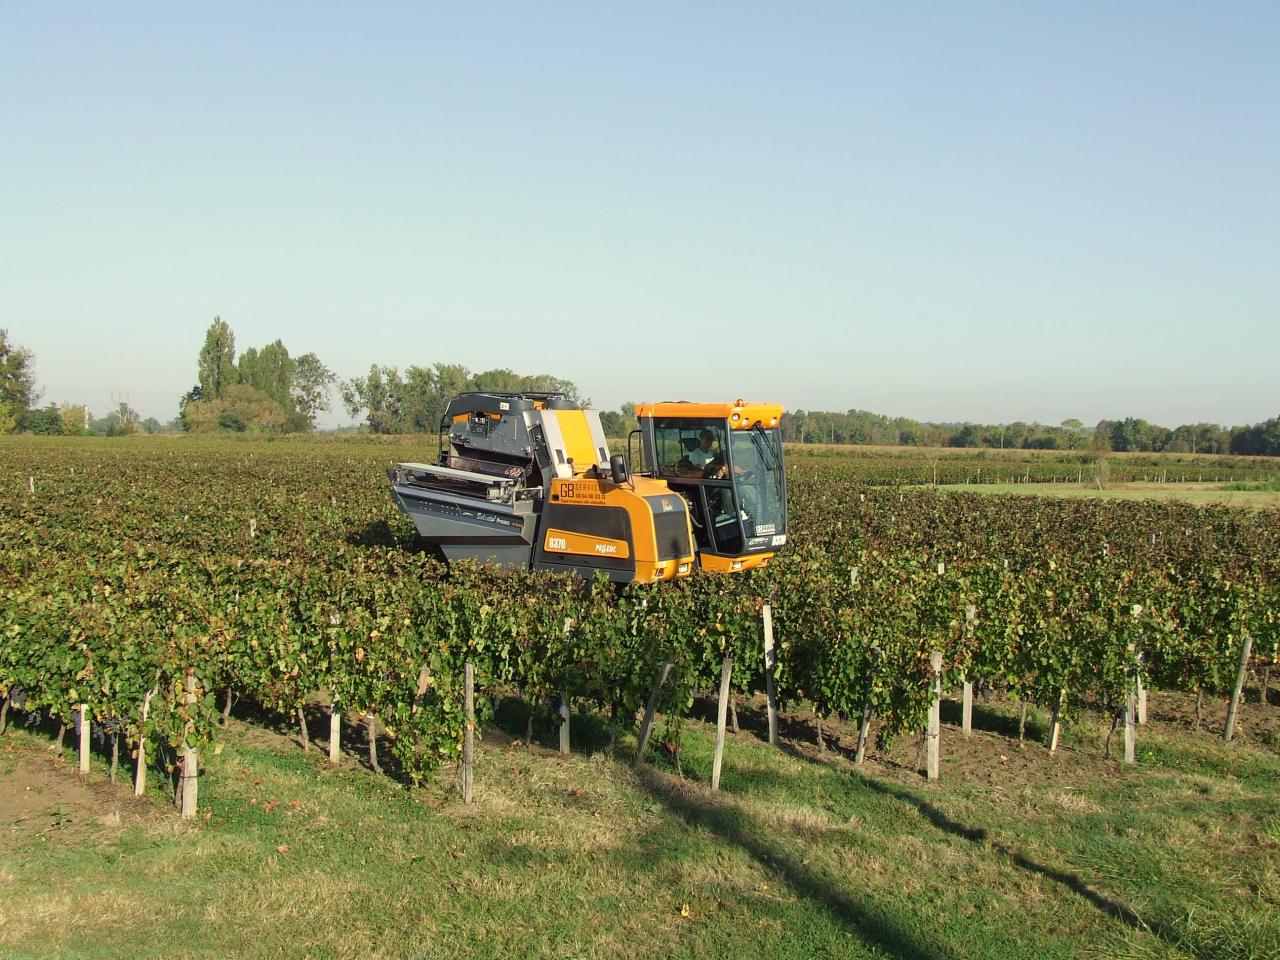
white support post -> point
(722, 712)
(335, 734)
(933, 734)
(966, 706)
(82, 713)
(140, 776)
(1131, 700)
(469, 735)
(1130, 728)
(770, 663)
(190, 764)
(1055, 725)
(1246, 647)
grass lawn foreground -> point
(1014, 854)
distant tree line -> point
(265, 391)
(75, 420)
(389, 400)
(1130, 434)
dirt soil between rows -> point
(42, 796)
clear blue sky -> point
(953, 212)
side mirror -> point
(618, 467)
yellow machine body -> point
(526, 479)
(640, 527)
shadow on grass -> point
(1117, 910)
(871, 923)
(753, 720)
(727, 823)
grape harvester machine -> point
(526, 480)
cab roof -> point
(741, 414)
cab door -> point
(693, 456)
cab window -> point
(686, 448)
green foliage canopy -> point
(17, 383)
(217, 367)
(414, 401)
(267, 391)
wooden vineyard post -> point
(1137, 660)
(933, 734)
(1131, 712)
(722, 711)
(864, 728)
(190, 764)
(770, 662)
(82, 713)
(564, 724)
(564, 699)
(469, 733)
(646, 726)
(1055, 726)
(1246, 647)
(371, 731)
(140, 777)
(1130, 727)
(335, 734)
(966, 707)
(1142, 698)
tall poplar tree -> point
(218, 360)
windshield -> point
(757, 475)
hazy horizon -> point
(985, 213)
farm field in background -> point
(974, 465)
(1199, 494)
(279, 577)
